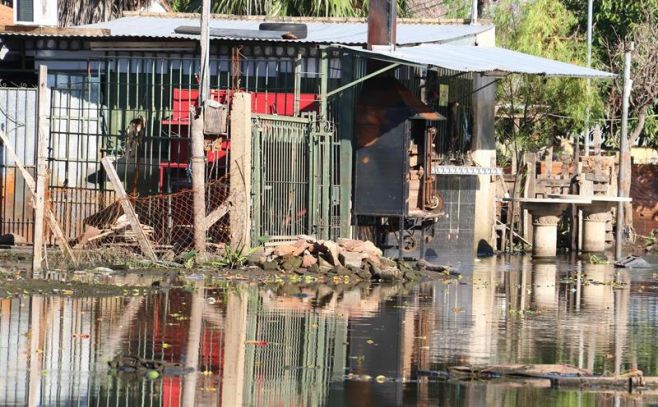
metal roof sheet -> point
(489, 60)
(348, 33)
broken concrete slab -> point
(360, 246)
(352, 259)
(308, 260)
(284, 250)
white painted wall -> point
(45, 13)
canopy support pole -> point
(362, 79)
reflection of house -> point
(55, 350)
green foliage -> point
(294, 8)
(234, 256)
(189, 259)
(539, 110)
(616, 23)
(594, 259)
(457, 8)
(612, 19)
(650, 138)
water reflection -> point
(321, 345)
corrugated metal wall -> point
(18, 118)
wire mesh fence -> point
(166, 221)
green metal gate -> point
(295, 178)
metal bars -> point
(294, 182)
(134, 106)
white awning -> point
(486, 60)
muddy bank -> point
(303, 263)
(16, 286)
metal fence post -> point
(257, 168)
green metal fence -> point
(295, 178)
(306, 350)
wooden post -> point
(240, 170)
(530, 162)
(624, 151)
(50, 216)
(198, 184)
(41, 170)
(297, 71)
(142, 239)
(193, 345)
(198, 159)
(35, 344)
(204, 93)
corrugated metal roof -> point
(490, 60)
(348, 33)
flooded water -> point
(357, 346)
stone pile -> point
(344, 257)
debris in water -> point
(632, 262)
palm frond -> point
(77, 12)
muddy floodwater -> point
(211, 344)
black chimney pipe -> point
(382, 20)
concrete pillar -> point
(483, 153)
(544, 238)
(235, 335)
(544, 280)
(596, 216)
(240, 170)
(594, 231)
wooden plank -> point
(50, 216)
(596, 178)
(219, 212)
(127, 207)
(504, 227)
(41, 170)
(550, 182)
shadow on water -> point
(321, 345)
